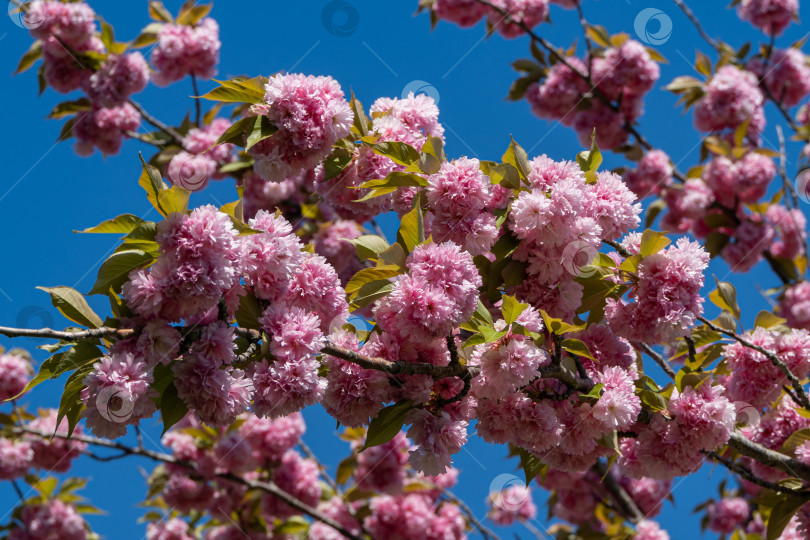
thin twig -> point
(775, 360)
(485, 532)
(660, 360)
(266, 486)
(627, 505)
(196, 96)
(157, 123)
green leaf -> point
(558, 326)
(371, 292)
(81, 354)
(115, 270)
(516, 156)
(412, 228)
(367, 275)
(796, 439)
(148, 35)
(295, 526)
(396, 179)
(248, 312)
(45, 372)
(236, 133)
(338, 160)
(174, 200)
(652, 242)
(652, 401)
(482, 313)
(432, 156)
(725, 297)
(387, 423)
(398, 152)
(193, 14)
(502, 174)
(531, 465)
(345, 469)
(394, 255)
(71, 405)
(152, 182)
(577, 347)
(172, 408)
(33, 54)
(767, 320)
(159, 12)
(590, 160)
(124, 224)
(782, 513)
(72, 305)
(46, 486)
(69, 108)
(511, 308)
(262, 129)
(360, 120)
(233, 93)
(369, 246)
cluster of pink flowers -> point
(439, 293)
(702, 419)
(50, 520)
(561, 223)
(18, 456)
(650, 530)
(186, 50)
(623, 75)
(332, 242)
(414, 515)
(201, 157)
(65, 29)
(511, 504)
(199, 263)
(786, 75)
(15, 372)
(666, 294)
(467, 13)
(732, 97)
(794, 305)
(753, 378)
(727, 514)
(460, 197)
(410, 120)
(104, 129)
(310, 115)
(770, 16)
(651, 175)
(119, 77)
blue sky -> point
(375, 49)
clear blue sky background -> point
(46, 191)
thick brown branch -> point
(67, 335)
(660, 360)
(751, 477)
(627, 505)
(769, 457)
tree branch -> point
(627, 505)
(266, 486)
(660, 360)
(768, 457)
(775, 360)
(751, 477)
(157, 123)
